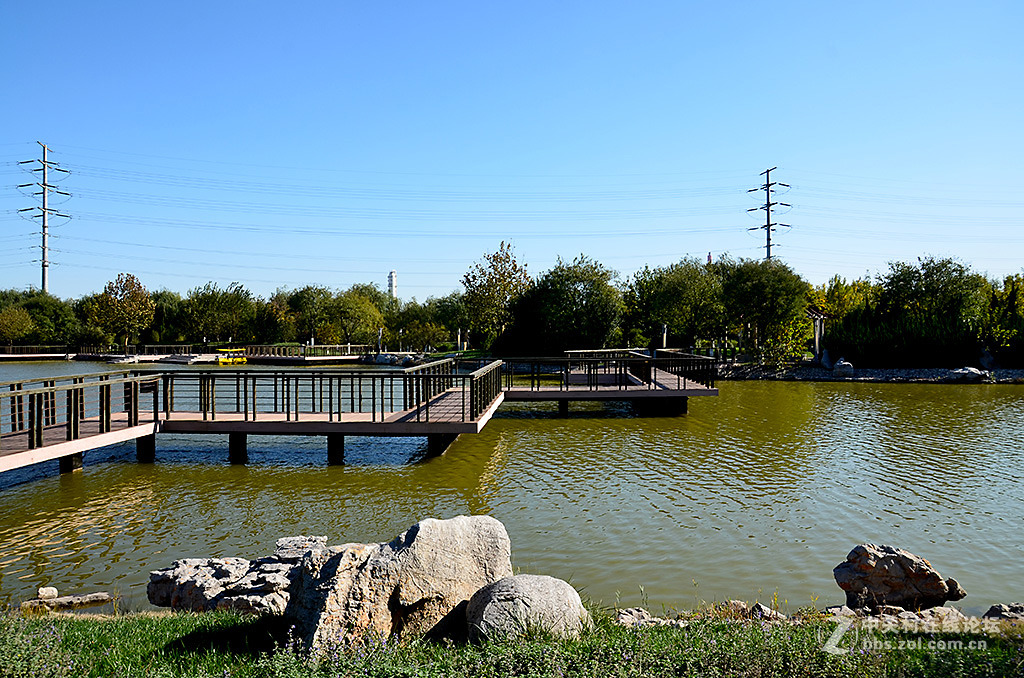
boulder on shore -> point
(514, 605)
(260, 586)
(842, 369)
(1004, 611)
(416, 584)
(875, 575)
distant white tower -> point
(393, 284)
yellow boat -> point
(231, 356)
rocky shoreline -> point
(453, 579)
(938, 375)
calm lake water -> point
(759, 491)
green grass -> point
(227, 645)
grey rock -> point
(840, 611)
(291, 549)
(760, 611)
(1004, 611)
(634, 616)
(734, 608)
(638, 616)
(46, 593)
(842, 369)
(202, 584)
(875, 575)
(968, 375)
(409, 586)
(513, 605)
(942, 614)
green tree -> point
(571, 306)
(932, 313)
(765, 301)
(686, 297)
(212, 313)
(124, 308)
(358, 318)
(54, 319)
(450, 312)
(15, 323)
(1004, 322)
(311, 305)
(167, 322)
(492, 287)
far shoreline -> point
(928, 375)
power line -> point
(44, 211)
(769, 225)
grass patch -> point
(229, 645)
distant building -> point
(393, 284)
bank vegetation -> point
(928, 313)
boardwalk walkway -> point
(61, 418)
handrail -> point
(34, 349)
(330, 392)
(34, 412)
(595, 373)
(46, 380)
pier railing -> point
(86, 404)
(34, 350)
(325, 350)
(427, 392)
(686, 366)
(138, 349)
(617, 369)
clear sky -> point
(282, 144)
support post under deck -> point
(335, 449)
(70, 463)
(563, 408)
(661, 407)
(438, 443)
(145, 449)
(238, 451)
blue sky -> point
(330, 142)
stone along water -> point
(759, 491)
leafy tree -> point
(765, 300)
(54, 319)
(929, 314)
(124, 308)
(572, 306)
(687, 297)
(358, 318)
(15, 323)
(838, 298)
(1004, 320)
(450, 312)
(167, 323)
(492, 287)
(384, 302)
(210, 312)
(311, 305)
(272, 323)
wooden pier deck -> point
(60, 418)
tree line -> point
(931, 312)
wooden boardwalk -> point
(60, 418)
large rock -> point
(259, 586)
(1004, 611)
(526, 602)
(842, 369)
(968, 375)
(875, 575)
(416, 584)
